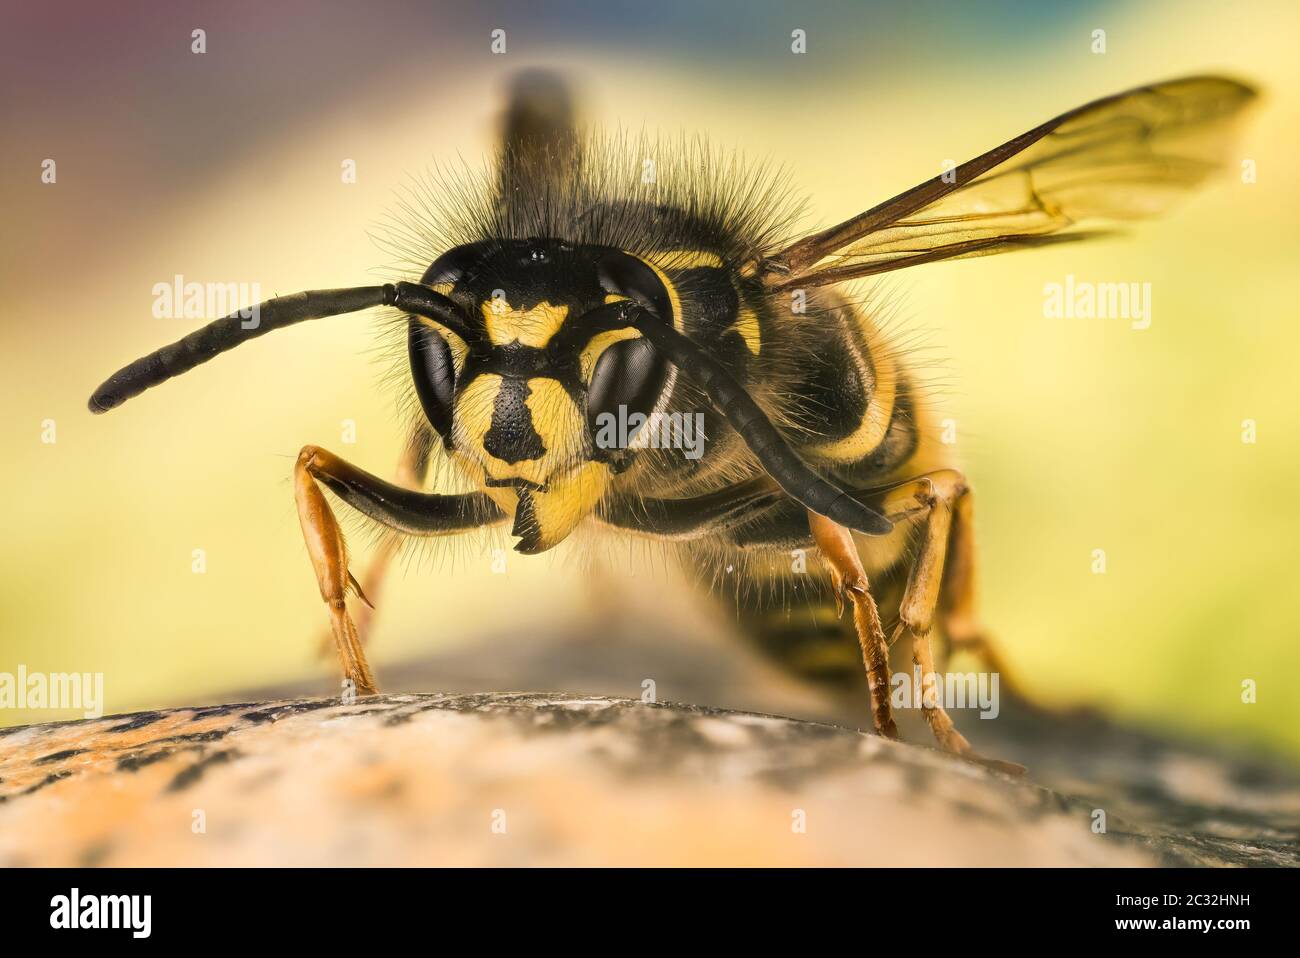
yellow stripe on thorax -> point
(682, 259)
(746, 323)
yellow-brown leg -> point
(921, 599)
(329, 559)
(931, 495)
(404, 511)
(849, 580)
(412, 468)
(956, 614)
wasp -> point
(566, 286)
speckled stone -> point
(485, 779)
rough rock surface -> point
(585, 780)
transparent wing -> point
(1123, 157)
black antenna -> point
(230, 331)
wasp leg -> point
(920, 604)
(921, 598)
(683, 520)
(412, 468)
(751, 514)
(957, 618)
(329, 558)
(850, 580)
(767, 521)
(406, 511)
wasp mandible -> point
(567, 286)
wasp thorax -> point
(516, 389)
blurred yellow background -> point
(225, 167)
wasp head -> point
(518, 391)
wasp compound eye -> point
(434, 373)
(628, 381)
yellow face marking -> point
(880, 410)
(746, 325)
(598, 344)
(472, 417)
(505, 498)
(557, 421)
(530, 327)
(568, 500)
(572, 491)
(554, 415)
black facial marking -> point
(526, 528)
(524, 273)
(511, 437)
